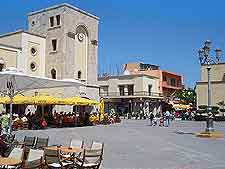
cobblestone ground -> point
(134, 144)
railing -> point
(166, 84)
(137, 93)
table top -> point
(66, 149)
(9, 161)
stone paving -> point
(134, 144)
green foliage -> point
(204, 107)
(201, 111)
(215, 108)
(187, 96)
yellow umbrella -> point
(43, 100)
(18, 99)
(80, 101)
(4, 100)
(102, 106)
(181, 106)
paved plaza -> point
(134, 145)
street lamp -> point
(206, 59)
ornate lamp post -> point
(206, 59)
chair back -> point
(10, 138)
(77, 143)
(41, 143)
(29, 141)
(97, 145)
(35, 155)
(93, 156)
(51, 156)
(38, 163)
(17, 153)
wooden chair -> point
(76, 143)
(36, 164)
(29, 141)
(41, 143)
(53, 159)
(90, 159)
(34, 160)
(17, 153)
(96, 145)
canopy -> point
(20, 82)
(43, 100)
(80, 101)
(18, 99)
(13, 82)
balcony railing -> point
(167, 84)
(138, 93)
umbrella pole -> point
(42, 111)
(10, 117)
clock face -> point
(81, 37)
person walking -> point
(4, 122)
(167, 118)
(151, 118)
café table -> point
(8, 161)
(66, 149)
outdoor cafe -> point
(44, 105)
(35, 152)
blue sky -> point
(163, 32)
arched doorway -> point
(53, 73)
(2, 64)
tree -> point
(187, 96)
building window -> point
(33, 51)
(32, 23)
(164, 78)
(51, 20)
(130, 90)
(79, 74)
(33, 66)
(104, 90)
(150, 90)
(173, 82)
(121, 89)
(58, 19)
(1, 67)
(53, 73)
(54, 45)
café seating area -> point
(35, 152)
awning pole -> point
(10, 113)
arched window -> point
(1, 67)
(79, 74)
(53, 73)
